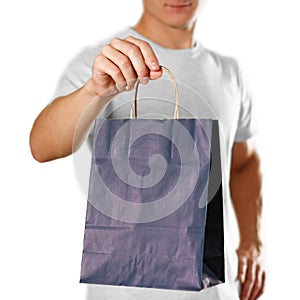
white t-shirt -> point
(210, 85)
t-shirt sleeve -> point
(245, 126)
(77, 73)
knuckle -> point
(133, 50)
(105, 48)
(143, 72)
(97, 63)
(115, 41)
(251, 261)
(116, 72)
(139, 42)
(145, 44)
(98, 60)
(124, 62)
(129, 38)
(121, 86)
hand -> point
(121, 63)
(250, 272)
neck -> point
(165, 35)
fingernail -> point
(144, 80)
(130, 84)
(154, 66)
(120, 86)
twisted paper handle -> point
(135, 91)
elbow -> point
(42, 151)
(36, 148)
(36, 155)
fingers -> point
(107, 75)
(150, 58)
(249, 280)
(252, 278)
(122, 62)
(259, 284)
(262, 288)
(121, 65)
(130, 60)
(242, 268)
(141, 55)
(250, 271)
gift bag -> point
(146, 219)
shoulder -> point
(229, 65)
(225, 61)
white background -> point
(42, 210)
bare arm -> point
(245, 187)
(115, 69)
(53, 131)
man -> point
(164, 36)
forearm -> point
(245, 186)
(63, 124)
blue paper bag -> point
(147, 205)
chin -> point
(178, 22)
(180, 25)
